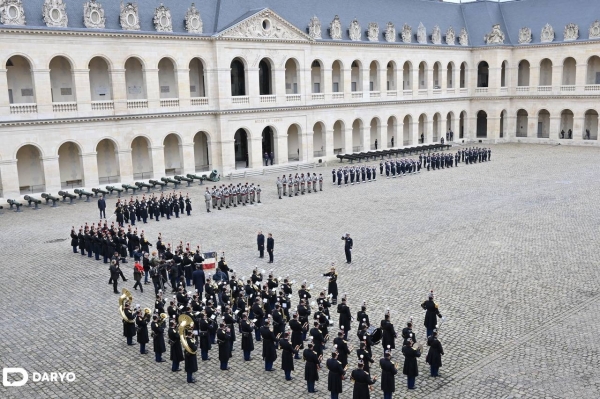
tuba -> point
(125, 297)
(185, 323)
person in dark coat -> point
(342, 348)
(362, 383)
(388, 373)
(389, 334)
(114, 275)
(287, 356)
(102, 207)
(158, 331)
(176, 352)
(141, 322)
(81, 242)
(270, 247)
(332, 288)
(204, 328)
(434, 356)
(269, 349)
(345, 317)
(223, 338)
(411, 368)
(365, 356)
(335, 376)
(348, 243)
(431, 314)
(407, 333)
(199, 279)
(129, 324)
(247, 339)
(260, 242)
(297, 340)
(188, 205)
(74, 240)
(311, 368)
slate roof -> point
(478, 17)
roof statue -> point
(463, 38)
(335, 28)
(571, 32)
(354, 30)
(594, 32)
(406, 34)
(450, 37)
(436, 35)
(93, 15)
(55, 14)
(12, 13)
(524, 35)
(129, 17)
(547, 34)
(162, 19)
(373, 32)
(421, 34)
(390, 33)
(193, 21)
(314, 28)
(496, 36)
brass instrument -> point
(163, 318)
(185, 323)
(125, 297)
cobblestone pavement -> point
(509, 247)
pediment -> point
(264, 24)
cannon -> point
(183, 178)
(158, 183)
(65, 195)
(32, 200)
(168, 180)
(50, 197)
(128, 187)
(214, 176)
(195, 177)
(113, 188)
(99, 191)
(82, 192)
(141, 184)
(15, 203)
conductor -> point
(348, 247)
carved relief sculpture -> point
(12, 13)
(162, 19)
(436, 35)
(93, 15)
(406, 33)
(524, 35)
(129, 17)
(595, 30)
(571, 32)
(314, 28)
(373, 32)
(193, 22)
(463, 38)
(421, 34)
(547, 34)
(265, 25)
(55, 13)
(354, 30)
(390, 33)
(450, 37)
(496, 36)
(335, 28)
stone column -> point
(365, 137)
(329, 144)
(43, 92)
(429, 133)
(415, 135)
(125, 166)
(279, 87)
(89, 163)
(510, 128)
(514, 78)
(382, 81)
(188, 159)
(348, 141)
(493, 128)
(444, 80)
(578, 124)
(224, 158)
(415, 80)
(347, 89)
(157, 153)
(51, 173)
(326, 83)
(9, 174)
(183, 88)
(4, 100)
(429, 81)
(554, 133)
(152, 90)
(119, 90)
(256, 159)
(557, 71)
(306, 146)
(532, 122)
(253, 91)
(580, 78)
(471, 128)
(382, 143)
(495, 80)
(399, 135)
(217, 88)
(83, 95)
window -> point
(317, 87)
(336, 87)
(353, 86)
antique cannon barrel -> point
(14, 203)
(169, 180)
(192, 176)
(183, 178)
(114, 188)
(31, 199)
(99, 191)
(157, 183)
(128, 187)
(141, 184)
(66, 194)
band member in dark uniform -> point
(247, 339)
(434, 356)
(431, 314)
(362, 383)
(332, 288)
(204, 329)
(158, 338)
(287, 356)
(223, 338)
(129, 324)
(191, 361)
(345, 317)
(269, 347)
(297, 340)
(311, 368)
(335, 376)
(389, 334)
(388, 372)
(411, 368)
(365, 356)
(141, 322)
(176, 355)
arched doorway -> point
(316, 76)
(357, 144)
(238, 78)
(100, 83)
(201, 152)
(30, 170)
(265, 83)
(356, 76)
(523, 73)
(483, 74)
(569, 72)
(407, 130)
(375, 140)
(167, 80)
(242, 155)
(294, 143)
(268, 143)
(108, 162)
(392, 129)
(543, 126)
(566, 123)
(503, 75)
(522, 121)
(422, 128)
(463, 75)
(407, 76)
(19, 81)
(61, 80)
(449, 122)
(374, 76)
(141, 158)
(69, 165)
(593, 71)
(422, 75)
(337, 77)
(319, 139)
(481, 124)
(545, 72)
(450, 76)
(461, 124)
(391, 75)
(173, 155)
(197, 78)
(437, 78)
(590, 131)
(134, 79)
(339, 141)
(292, 81)
(502, 123)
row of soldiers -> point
(298, 184)
(364, 173)
(400, 167)
(230, 196)
(152, 207)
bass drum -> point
(375, 333)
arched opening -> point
(543, 126)
(337, 77)
(482, 124)
(141, 158)
(167, 81)
(437, 122)
(197, 78)
(483, 74)
(61, 80)
(70, 165)
(316, 76)
(422, 75)
(294, 144)
(590, 124)
(318, 140)
(566, 123)
(523, 73)
(265, 78)
(450, 76)
(107, 160)
(201, 152)
(357, 140)
(173, 155)
(545, 72)
(391, 76)
(407, 130)
(30, 170)
(461, 124)
(291, 76)
(19, 80)
(375, 142)
(449, 121)
(436, 76)
(503, 123)
(374, 76)
(392, 129)
(407, 76)
(100, 83)
(569, 72)
(241, 145)
(238, 78)
(593, 71)
(522, 121)
(463, 75)
(339, 141)
(503, 80)
(422, 128)
(134, 79)
(268, 143)
(355, 76)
